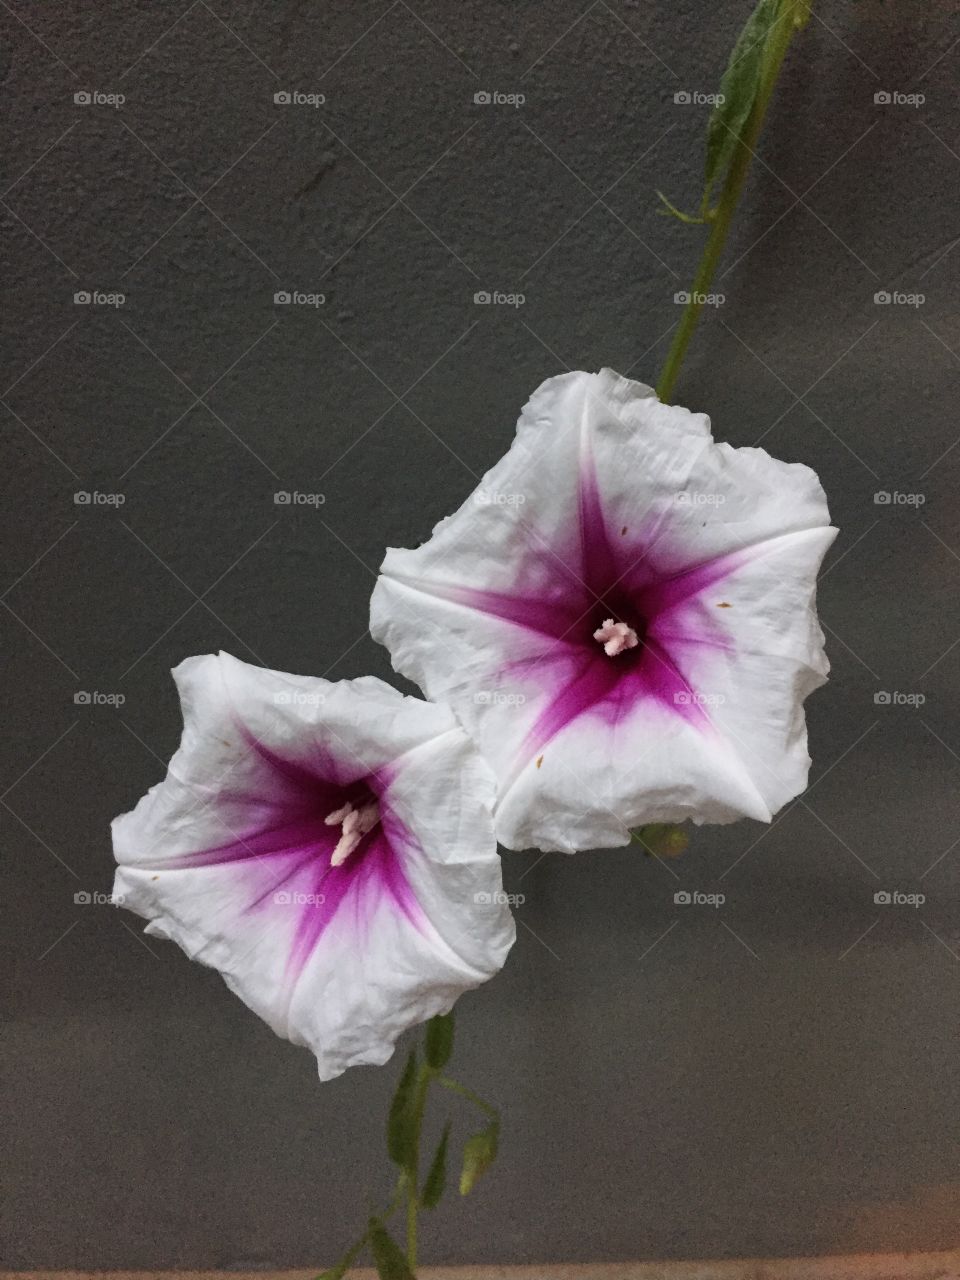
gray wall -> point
(748, 1084)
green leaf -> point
(436, 1179)
(387, 1254)
(739, 88)
(479, 1154)
(346, 1262)
(401, 1138)
(662, 839)
(439, 1041)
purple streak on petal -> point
(267, 896)
(372, 874)
(551, 617)
(611, 688)
(666, 683)
(306, 833)
(595, 679)
(293, 856)
(552, 558)
(548, 617)
(598, 558)
(667, 593)
(631, 579)
(542, 667)
(401, 843)
(323, 772)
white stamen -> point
(334, 819)
(615, 637)
(354, 823)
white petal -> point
(263, 759)
(487, 616)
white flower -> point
(328, 848)
(630, 631)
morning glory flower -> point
(328, 848)
(623, 618)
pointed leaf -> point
(436, 1179)
(439, 1041)
(739, 88)
(400, 1122)
(387, 1254)
(478, 1155)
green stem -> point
(424, 1077)
(412, 1225)
(456, 1087)
(396, 1200)
(790, 19)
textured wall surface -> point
(776, 1076)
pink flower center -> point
(354, 825)
(615, 638)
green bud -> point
(661, 839)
